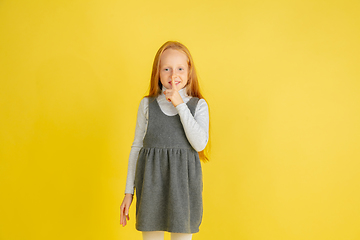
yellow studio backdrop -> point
(282, 81)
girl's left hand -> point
(172, 95)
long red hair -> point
(192, 86)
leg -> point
(153, 235)
(181, 236)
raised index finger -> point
(173, 83)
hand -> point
(124, 209)
(172, 95)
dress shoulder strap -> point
(192, 103)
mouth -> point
(176, 82)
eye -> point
(181, 69)
(166, 69)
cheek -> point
(162, 76)
(185, 75)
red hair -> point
(192, 86)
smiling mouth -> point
(175, 83)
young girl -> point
(172, 131)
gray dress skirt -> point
(168, 177)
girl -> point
(172, 131)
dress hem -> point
(169, 231)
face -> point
(173, 63)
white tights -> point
(159, 235)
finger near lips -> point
(173, 85)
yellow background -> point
(282, 81)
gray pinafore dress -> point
(168, 177)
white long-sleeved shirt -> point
(196, 128)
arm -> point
(140, 131)
(196, 127)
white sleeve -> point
(140, 131)
(196, 127)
